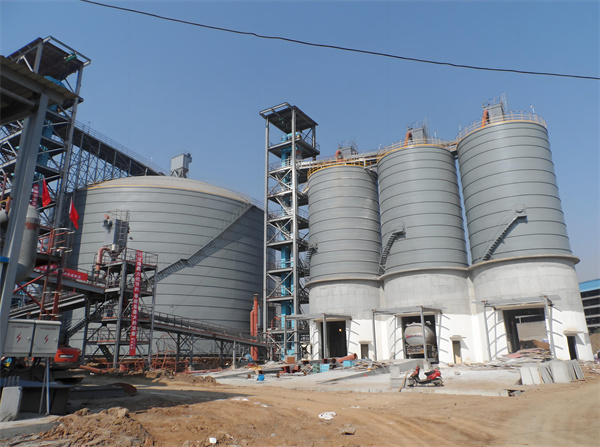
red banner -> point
(135, 302)
(67, 273)
(35, 194)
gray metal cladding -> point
(418, 192)
(175, 218)
(344, 223)
(505, 167)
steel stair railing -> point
(213, 246)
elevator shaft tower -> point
(286, 223)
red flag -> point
(73, 215)
(45, 194)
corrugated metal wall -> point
(418, 192)
(176, 217)
(504, 168)
(344, 223)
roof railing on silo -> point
(370, 158)
(504, 118)
(119, 147)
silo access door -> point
(525, 329)
(337, 345)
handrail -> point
(109, 142)
(288, 213)
(369, 158)
(506, 117)
(217, 329)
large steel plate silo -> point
(175, 218)
(523, 269)
(345, 247)
(420, 207)
(424, 248)
(510, 193)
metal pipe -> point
(99, 258)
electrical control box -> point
(45, 338)
(19, 338)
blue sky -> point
(162, 88)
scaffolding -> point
(286, 225)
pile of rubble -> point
(522, 357)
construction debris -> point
(522, 357)
(327, 415)
(555, 371)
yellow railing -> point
(342, 162)
(371, 158)
(506, 117)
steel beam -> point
(21, 190)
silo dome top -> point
(173, 183)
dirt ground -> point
(185, 412)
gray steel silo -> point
(343, 223)
(510, 194)
(421, 216)
(344, 250)
(522, 261)
(424, 250)
(176, 218)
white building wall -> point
(444, 289)
(534, 277)
(352, 297)
(460, 294)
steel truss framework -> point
(286, 225)
(71, 155)
(108, 322)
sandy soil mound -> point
(110, 427)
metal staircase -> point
(80, 325)
(388, 246)
(214, 245)
(519, 213)
(108, 355)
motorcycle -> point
(431, 377)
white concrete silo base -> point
(527, 279)
(447, 291)
(348, 298)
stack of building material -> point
(554, 371)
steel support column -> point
(374, 338)
(424, 337)
(20, 192)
